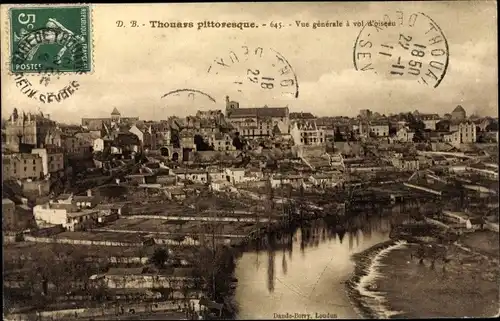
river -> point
(304, 271)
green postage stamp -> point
(51, 39)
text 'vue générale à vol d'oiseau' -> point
(241, 25)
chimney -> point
(47, 116)
(89, 192)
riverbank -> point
(389, 281)
(361, 285)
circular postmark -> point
(41, 57)
(188, 99)
(259, 68)
(191, 95)
(49, 50)
(407, 47)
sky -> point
(134, 67)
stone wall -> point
(78, 242)
(125, 309)
(40, 188)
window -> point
(34, 168)
(34, 162)
(25, 168)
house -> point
(125, 142)
(484, 170)
(52, 159)
(216, 115)
(109, 212)
(430, 121)
(186, 139)
(374, 128)
(144, 178)
(162, 133)
(235, 175)
(220, 185)
(439, 160)
(175, 194)
(465, 133)
(255, 128)
(76, 146)
(85, 202)
(307, 133)
(302, 116)
(405, 135)
(405, 163)
(68, 215)
(145, 135)
(367, 165)
(253, 174)
(195, 175)
(55, 136)
(286, 179)
(22, 166)
(221, 142)
(322, 179)
(100, 144)
(216, 174)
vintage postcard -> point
(319, 160)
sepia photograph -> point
(250, 160)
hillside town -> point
(130, 216)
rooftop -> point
(259, 112)
(81, 213)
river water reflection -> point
(304, 271)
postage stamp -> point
(406, 46)
(50, 39)
(258, 67)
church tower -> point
(231, 105)
(115, 115)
